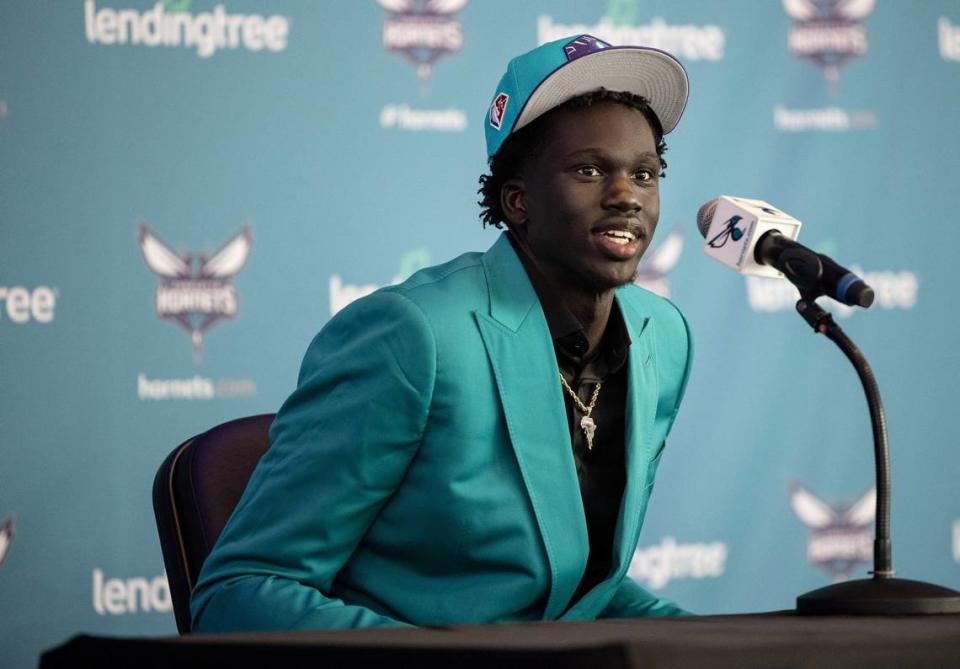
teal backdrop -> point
(189, 190)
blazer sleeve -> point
(340, 446)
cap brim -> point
(654, 74)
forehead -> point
(608, 126)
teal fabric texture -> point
(421, 472)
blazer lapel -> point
(521, 354)
(642, 394)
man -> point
(478, 443)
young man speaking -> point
(478, 443)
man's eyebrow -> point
(596, 152)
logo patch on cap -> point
(583, 45)
(497, 109)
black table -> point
(781, 639)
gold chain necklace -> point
(587, 424)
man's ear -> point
(513, 201)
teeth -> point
(621, 237)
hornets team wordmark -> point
(196, 290)
(829, 33)
(423, 32)
(841, 537)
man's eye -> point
(644, 175)
(588, 171)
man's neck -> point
(590, 307)
(592, 310)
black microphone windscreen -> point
(705, 215)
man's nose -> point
(621, 194)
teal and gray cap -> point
(551, 74)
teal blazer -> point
(421, 473)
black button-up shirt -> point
(601, 471)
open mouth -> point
(619, 242)
(619, 237)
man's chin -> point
(602, 284)
(619, 275)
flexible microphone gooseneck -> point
(751, 236)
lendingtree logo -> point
(171, 24)
(20, 304)
(621, 24)
(657, 565)
(119, 596)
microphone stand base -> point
(880, 597)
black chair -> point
(194, 493)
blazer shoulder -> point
(454, 284)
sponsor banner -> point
(19, 304)
(655, 566)
(170, 24)
(196, 290)
(225, 114)
(126, 596)
(841, 535)
(948, 38)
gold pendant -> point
(589, 427)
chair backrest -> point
(194, 493)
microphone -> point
(753, 237)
